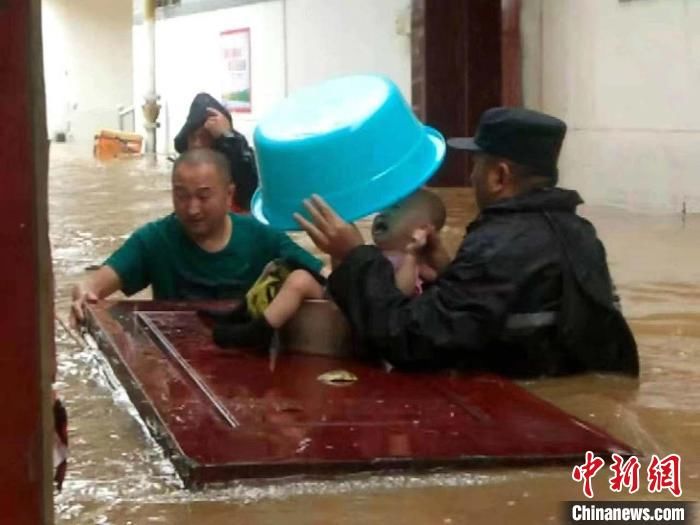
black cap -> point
(524, 136)
(197, 117)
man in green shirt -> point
(201, 251)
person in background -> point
(209, 125)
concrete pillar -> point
(151, 108)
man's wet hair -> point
(198, 156)
(432, 204)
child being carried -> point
(401, 232)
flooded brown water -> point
(117, 475)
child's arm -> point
(405, 274)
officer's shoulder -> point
(503, 224)
(499, 234)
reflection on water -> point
(118, 475)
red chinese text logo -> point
(662, 474)
(587, 471)
(665, 474)
(625, 474)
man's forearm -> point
(451, 323)
(99, 285)
(102, 283)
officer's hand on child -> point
(329, 232)
(216, 124)
(427, 273)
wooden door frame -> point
(450, 41)
(26, 327)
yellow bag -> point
(266, 288)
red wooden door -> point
(25, 370)
(465, 59)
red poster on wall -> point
(236, 83)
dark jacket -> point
(244, 171)
(522, 256)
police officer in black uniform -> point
(529, 292)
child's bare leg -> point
(258, 332)
(299, 286)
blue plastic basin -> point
(352, 140)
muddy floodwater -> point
(117, 475)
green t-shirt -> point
(162, 255)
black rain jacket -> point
(529, 293)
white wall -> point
(339, 37)
(625, 76)
(87, 63)
(324, 38)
